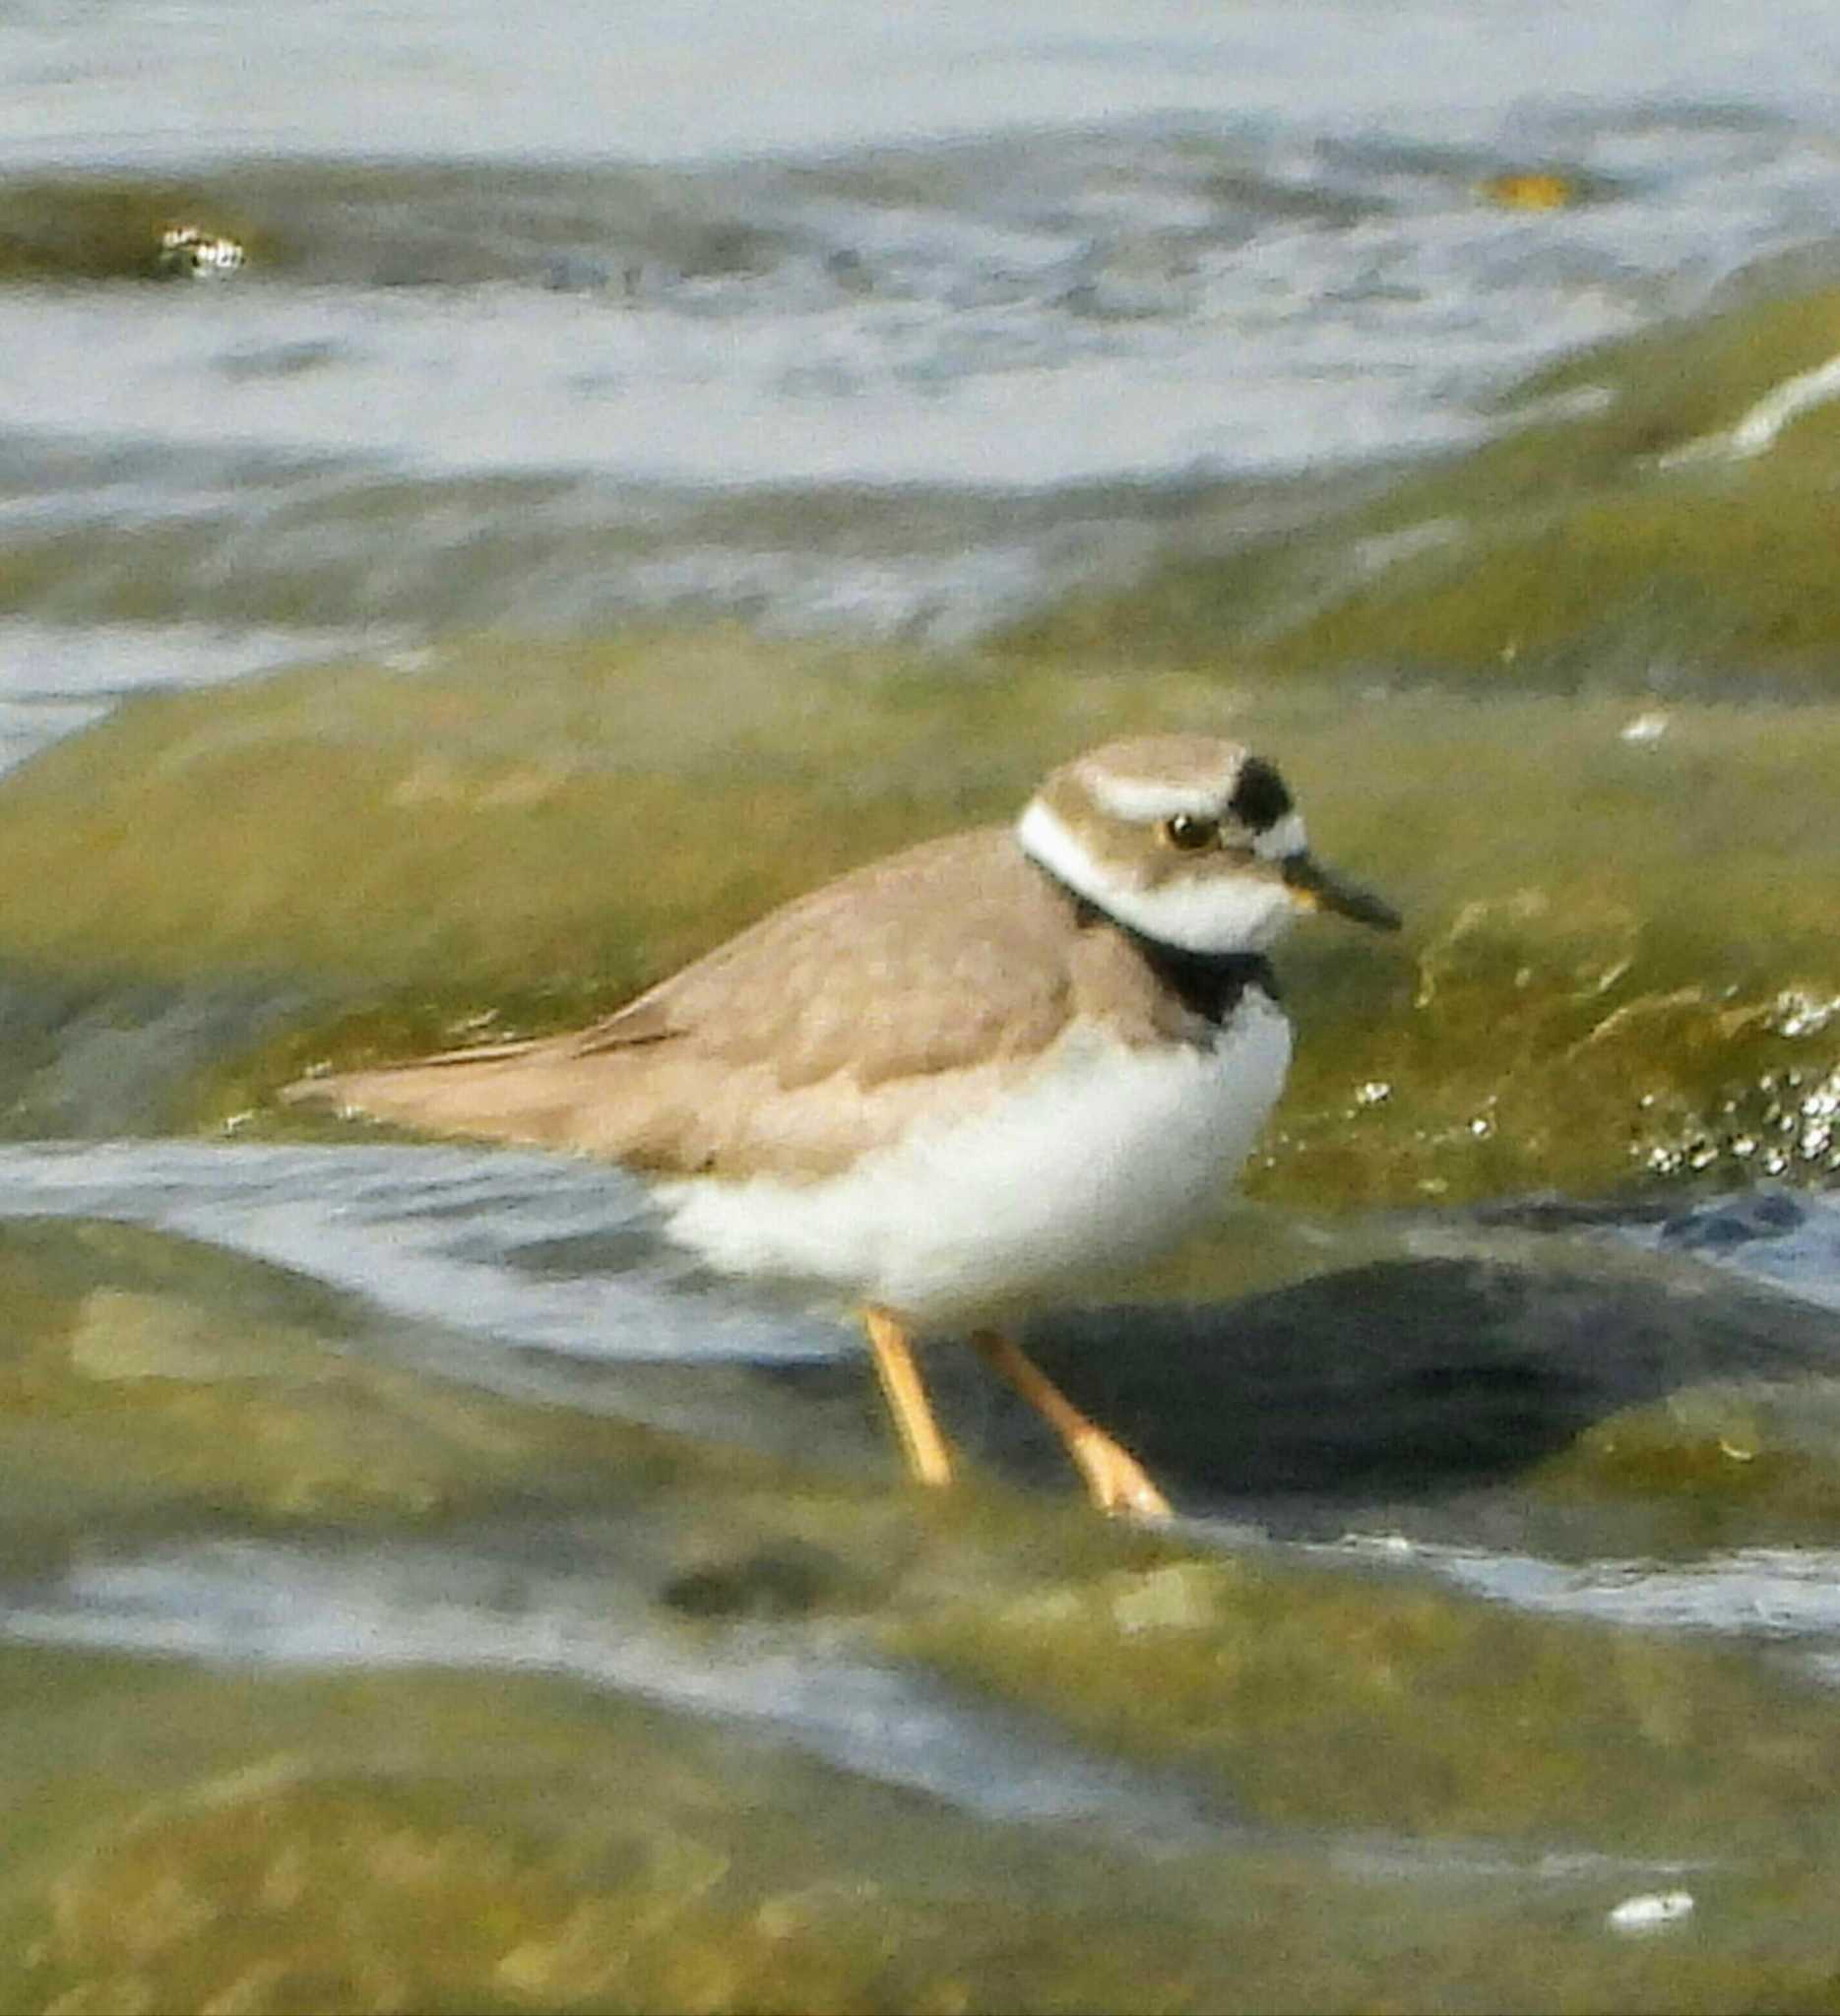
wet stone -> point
(790, 1581)
(339, 1677)
(668, 1771)
(1763, 1214)
(144, 1376)
(1422, 1394)
(332, 1843)
(1638, 572)
(119, 1334)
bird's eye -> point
(1189, 832)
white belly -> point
(1100, 1159)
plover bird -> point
(956, 1082)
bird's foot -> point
(1115, 1480)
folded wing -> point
(816, 1035)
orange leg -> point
(1115, 1479)
(921, 1441)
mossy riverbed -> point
(1608, 972)
(1658, 518)
(462, 1757)
(352, 1666)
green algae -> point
(147, 1382)
(1317, 1697)
(1421, 1783)
(104, 227)
(332, 1844)
(509, 811)
(272, 1840)
(1618, 967)
(1619, 962)
(1721, 1466)
(1646, 525)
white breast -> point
(1099, 1160)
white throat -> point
(1221, 914)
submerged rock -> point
(148, 1381)
(101, 228)
(440, 1842)
(1543, 1393)
(1609, 540)
(336, 1682)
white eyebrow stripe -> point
(1143, 799)
(1043, 839)
(1277, 843)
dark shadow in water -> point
(1402, 1393)
(1399, 1379)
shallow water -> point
(274, 1491)
(524, 1249)
(417, 1586)
(542, 1277)
(955, 313)
(509, 1608)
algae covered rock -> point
(331, 1842)
(1340, 1698)
(1658, 517)
(505, 1706)
(1371, 1395)
(113, 228)
(1596, 984)
(148, 1381)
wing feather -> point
(818, 1034)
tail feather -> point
(494, 1095)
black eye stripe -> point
(1259, 799)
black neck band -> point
(1206, 984)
